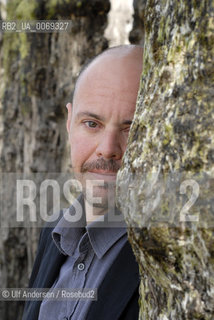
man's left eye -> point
(91, 124)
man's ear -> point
(68, 125)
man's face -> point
(100, 119)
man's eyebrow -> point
(96, 116)
(89, 114)
(129, 122)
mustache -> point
(101, 164)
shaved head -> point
(131, 52)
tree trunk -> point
(166, 184)
(38, 72)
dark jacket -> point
(117, 294)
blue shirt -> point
(90, 251)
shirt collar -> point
(67, 234)
(103, 238)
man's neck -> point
(93, 213)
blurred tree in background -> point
(38, 73)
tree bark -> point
(38, 73)
(170, 161)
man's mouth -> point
(103, 172)
(107, 176)
(102, 167)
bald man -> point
(89, 251)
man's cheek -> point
(78, 157)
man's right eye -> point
(90, 124)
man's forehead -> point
(124, 61)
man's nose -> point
(109, 146)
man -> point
(85, 253)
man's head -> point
(102, 111)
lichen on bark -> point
(169, 159)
